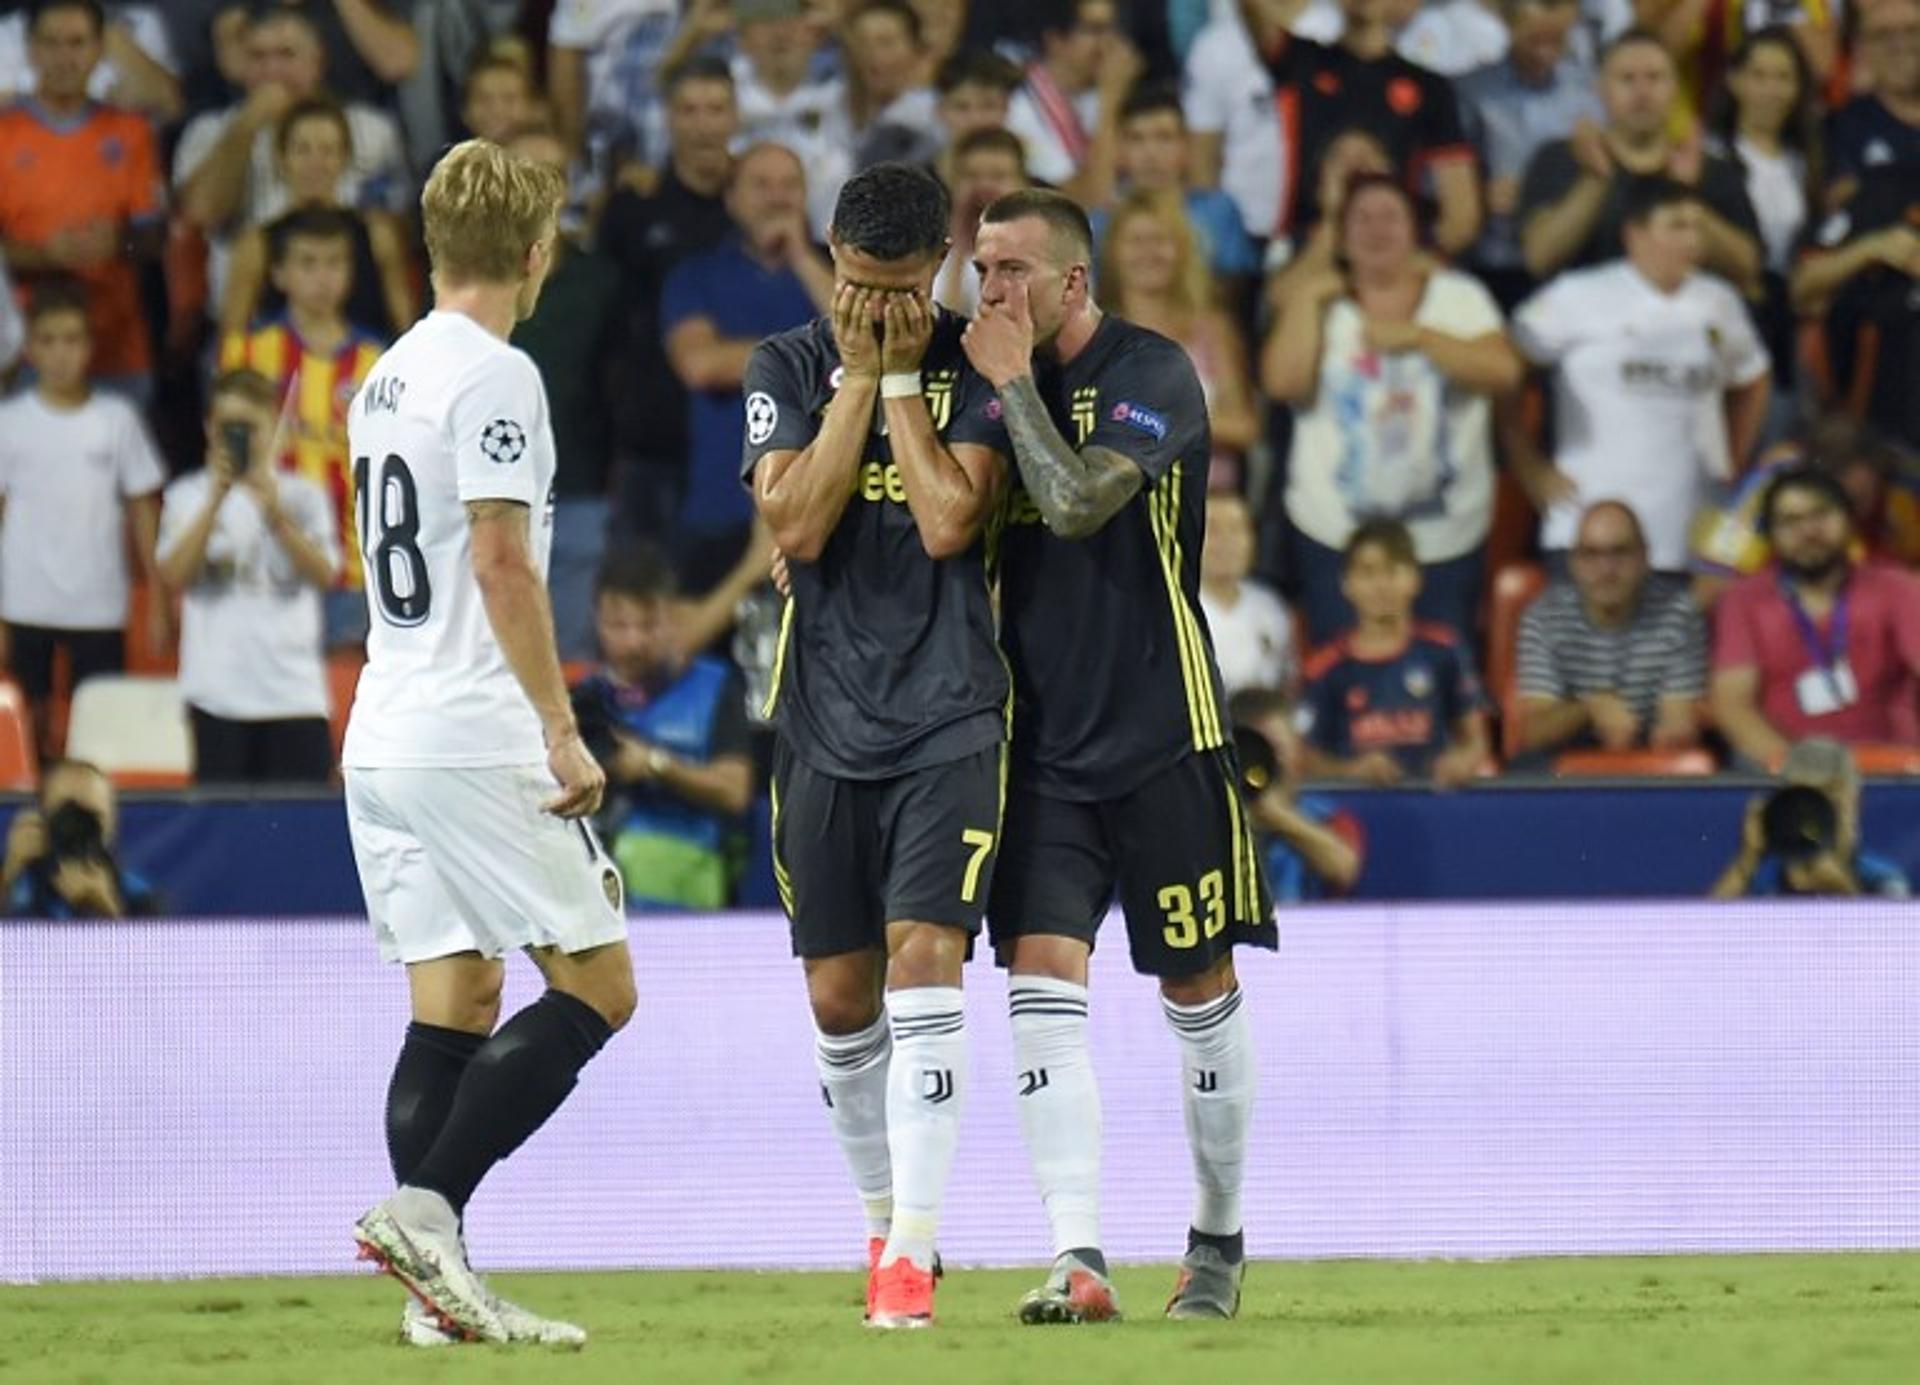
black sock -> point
(425, 1077)
(517, 1079)
(1233, 1249)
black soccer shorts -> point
(1178, 851)
(851, 856)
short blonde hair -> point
(483, 208)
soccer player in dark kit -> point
(1122, 773)
(876, 454)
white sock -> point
(1217, 1079)
(1059, 1102)
(853, 1082)
(926, 1087)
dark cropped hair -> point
(1389, 536)
(977, 67)
(640, 571)
(93, 9)
(1802, 478)
(58, 294)
(1064, 217)
(311, 223)
(1647, 197)
(313, 108)
(1151, 98)
(997, 139)
(892, 211)
(700, 69)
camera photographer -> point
(59, 862)
(1804, 837)
(1312, 848)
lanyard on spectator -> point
(1826, 654)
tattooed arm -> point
(1075, 492)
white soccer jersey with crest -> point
(450, 414)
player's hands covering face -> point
(855, 332)
(908, 328)
(999, 341)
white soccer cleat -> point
(415, 1237)
(525, 1326)
(420, 1328)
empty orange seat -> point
(1887, 759)
(19, 771)
(1626, 763)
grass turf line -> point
(1754, 1320)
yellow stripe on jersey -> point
(779, 661)
(781, 880)
(1246, 892)
(1203, 712)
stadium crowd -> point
(1560, 355)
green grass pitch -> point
(1705, 1321)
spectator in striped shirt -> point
(1612, 659)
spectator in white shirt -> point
(226, 169)
(890, 99)
(1067, 112)
(987, 164)
(250, 551)
(976, 87)
(1660, 383)
(783, 98)
(76, 469)
(1390, 365)
(1239, 145)
(1252, 632)
(606, 75)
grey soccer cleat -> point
(1208, 1286)
(421, 1328)
(415, 1237)
(1075, 1292)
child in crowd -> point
(1393, 699)
(317, 359)
(76, 467)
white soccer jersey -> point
(450, 414)
(1639, 386)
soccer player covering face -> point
(467, 783)
(877, 456)
(1123, 778)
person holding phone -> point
(250, 550)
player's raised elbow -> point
(948, 538)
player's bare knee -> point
(1211, 984)
(844, 992)
(924, 954)
(1051, 956)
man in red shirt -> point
(1817, 645)
(80, 189)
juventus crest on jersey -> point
(449, 415)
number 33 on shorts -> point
(1184, 927)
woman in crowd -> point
(315, 148)
(1766, 121)
(1152, 273)
(1390, 363)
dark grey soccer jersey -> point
(1112, 662)
(887, 659)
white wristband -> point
(900, 384)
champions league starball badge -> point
(503, 442)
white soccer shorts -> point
(464, 860)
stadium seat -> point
(343, 677)
(18, 770)
(143, 658)
(133, 728)
(577, 671)
(1888, 760)
(1577, 764)
(1514, 589)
